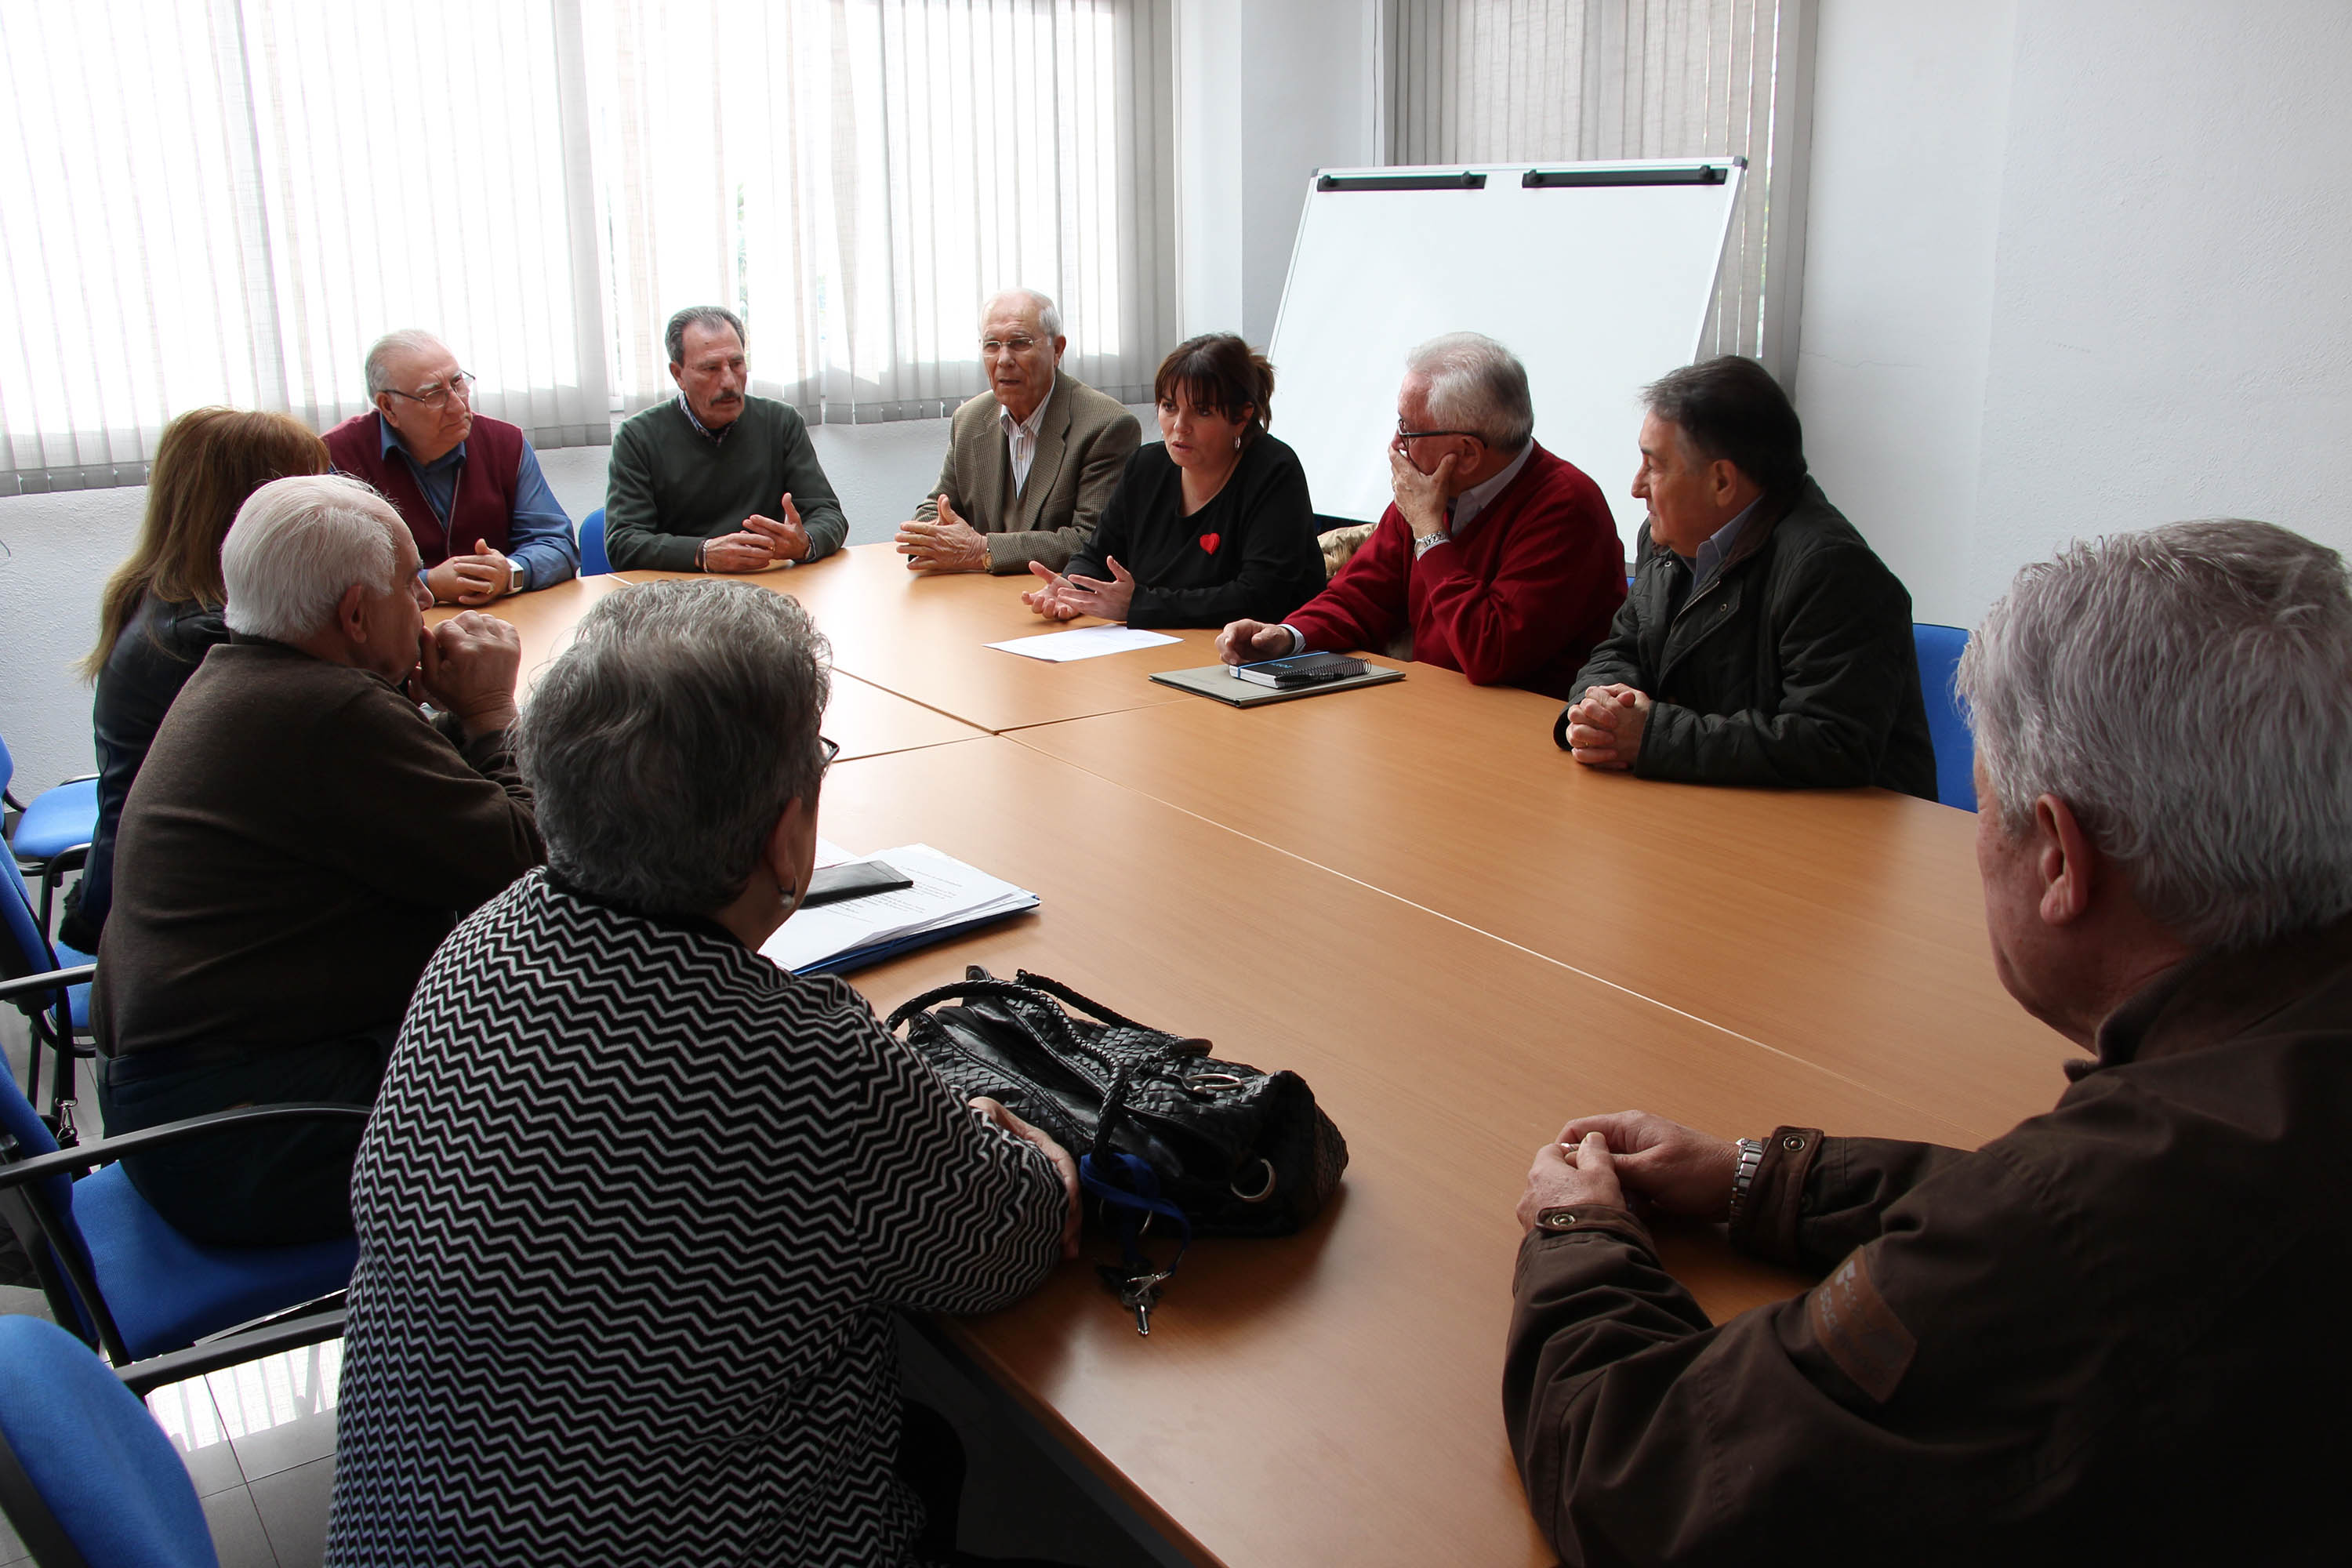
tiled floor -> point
(259, 1442)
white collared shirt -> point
(1471, 501)
(1021, 439)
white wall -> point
(1902, 209)
(2074, 268)
(1266, 94)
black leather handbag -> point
(1161, 1129)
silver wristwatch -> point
(1751, 1158)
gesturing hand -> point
(1604, 727)
(1246, 642)
(1054, 599)
(787, 539)
(1093, 597)
(950, 544)
(1066, 1167)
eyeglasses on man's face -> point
(831, 748)
(437, 394)
(1021, 348)
(1404, 434)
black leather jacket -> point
(1792, 665)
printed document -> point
(1087, 642)
(948, 894)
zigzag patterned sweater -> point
(633, 1211)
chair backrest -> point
(19, 1120)
(8, 766)
(1956, 749)
(593, 559)
(83, 1459)
(22, 949)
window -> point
(1492, 82)
(227, 202)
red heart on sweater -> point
(1209, 542)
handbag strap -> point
(1065, 1041)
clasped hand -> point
(1064, 598)
(475, 579)
(1604, 726)
(759, 543)
(1604, 1159)
(466, 667)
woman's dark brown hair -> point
(1219, 373)
(208, 461)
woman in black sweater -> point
(162, 610)
(1211, 526)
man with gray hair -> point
(1763, 642)
(1031, 462)
(693, 482)
(2112, 1333)
(467, 486)
(1498, 559)
(301, 840)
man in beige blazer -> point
(1031, 462)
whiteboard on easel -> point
(1598, 276)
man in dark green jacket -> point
(716, 479)
(1762, 642)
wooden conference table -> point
(1460, 939)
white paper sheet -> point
(946, 892)
(1086, 642)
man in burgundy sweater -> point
(1498, 559)
(468, 486)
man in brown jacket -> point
(1031, 462)
(2114, 1332)
(298, 842)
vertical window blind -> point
(227, 201)
(1492, 82)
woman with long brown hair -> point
(162, 610)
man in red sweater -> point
(1498, 559)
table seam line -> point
(1615, 986)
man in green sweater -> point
(716, 479)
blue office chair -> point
(115, 1271)
(1956, 748)
(59, 1015)
(52, 835)
(593, 559)
(86, 1476)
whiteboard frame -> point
(1733, 170)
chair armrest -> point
(77, 778)
(232, 1349)
(49, 979)
(104, 1151)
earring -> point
(1237, 441)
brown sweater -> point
(2114, 1334)
(299, 841)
